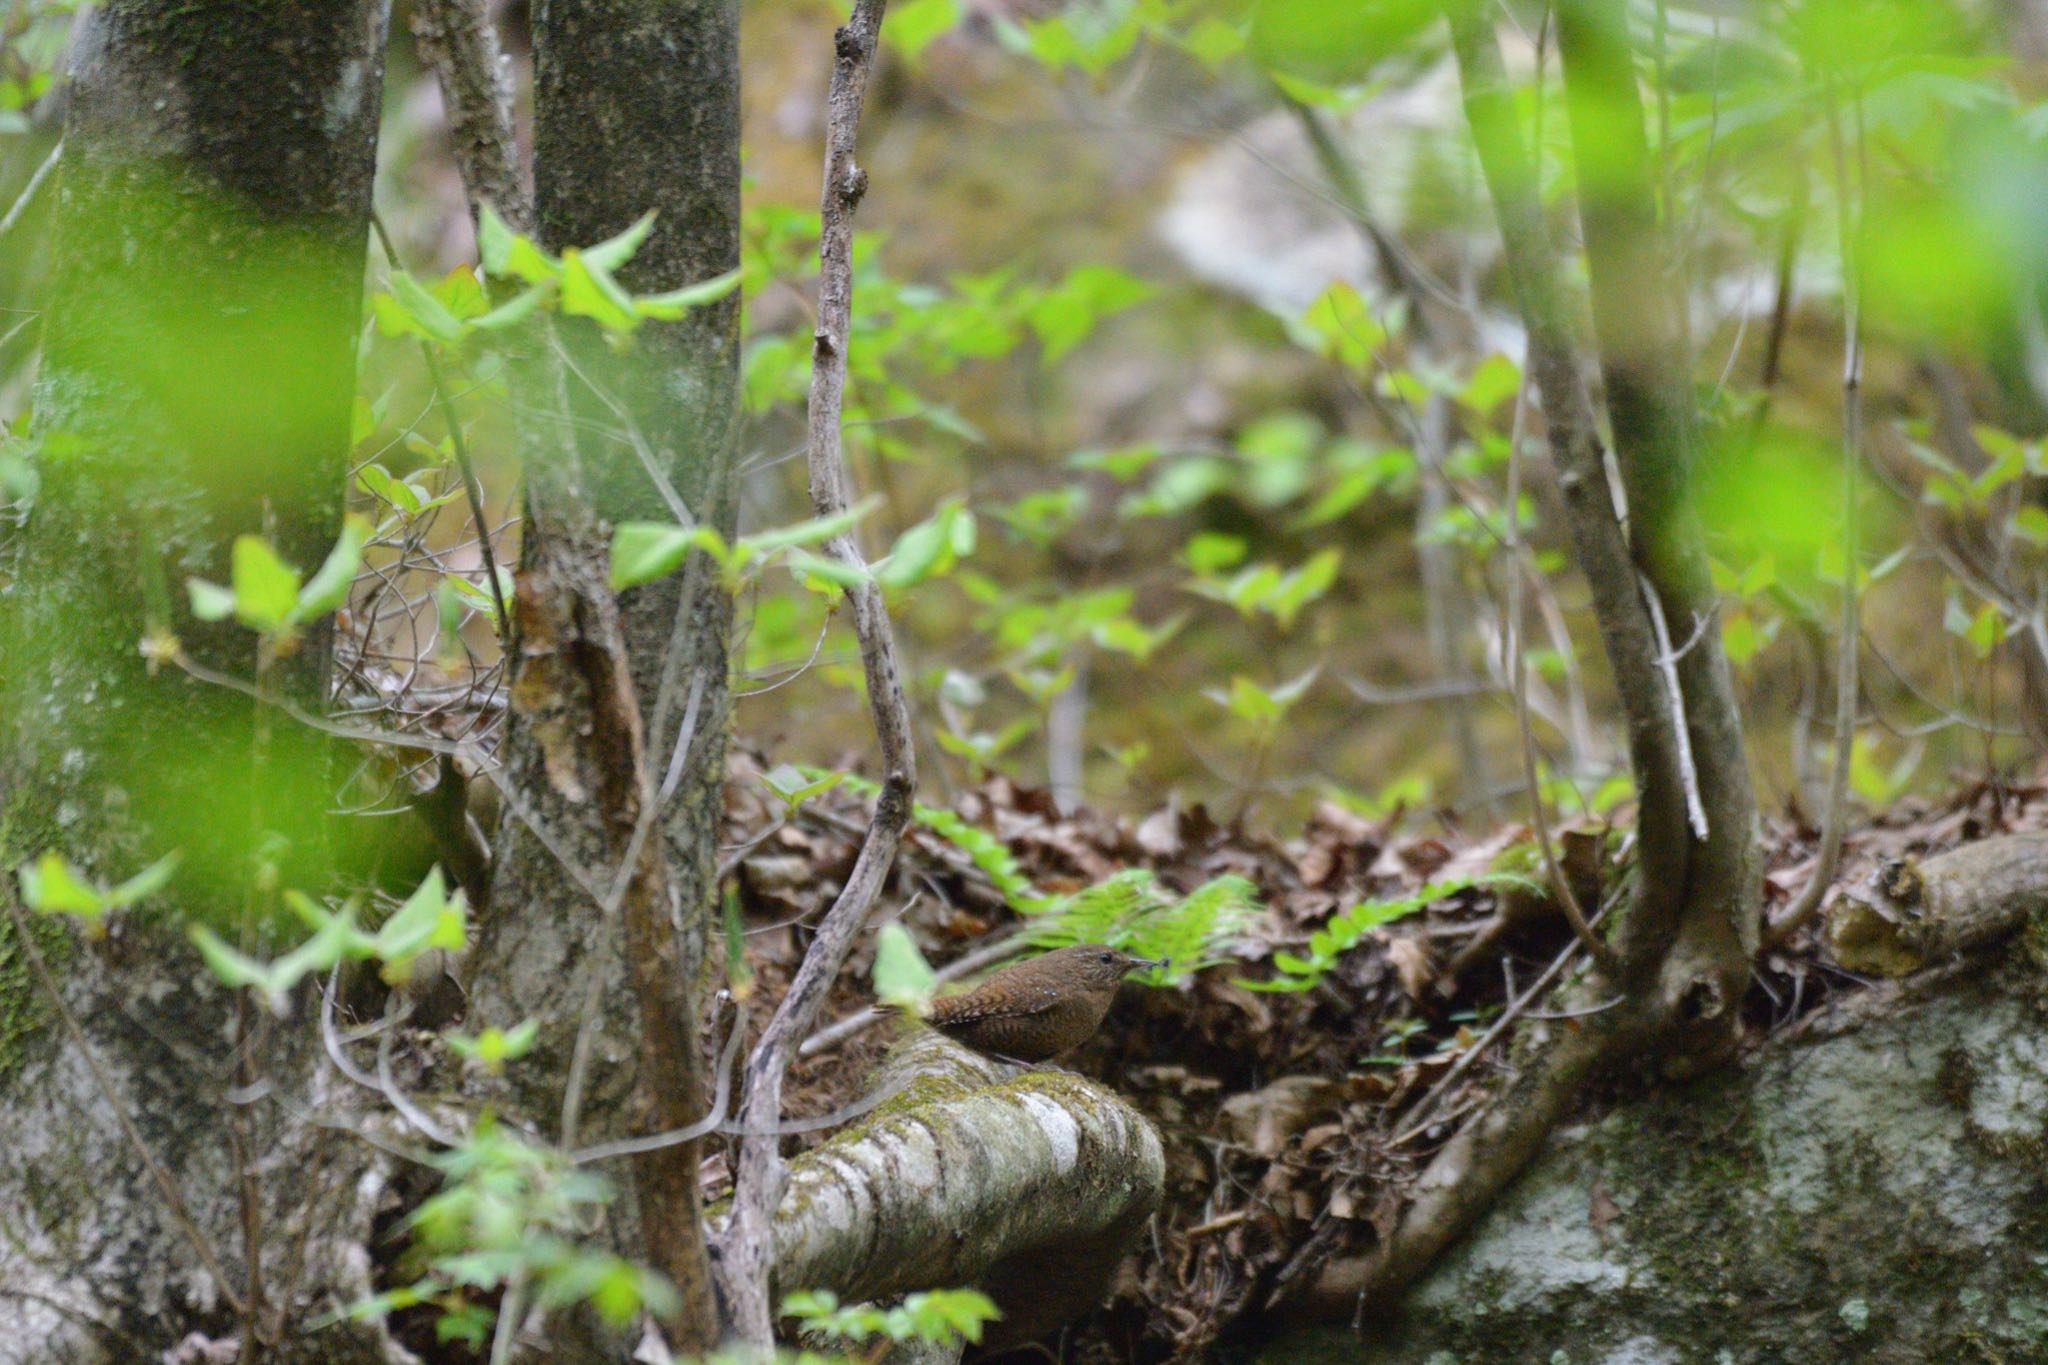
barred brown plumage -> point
(1038, 1008)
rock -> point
(1878, 1195)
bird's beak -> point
(1155, 964)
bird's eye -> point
(1108, 957)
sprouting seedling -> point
(494, 1047)
(430, 918)
(52, 886)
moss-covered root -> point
(1029, 1188)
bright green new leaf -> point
(902, 976)
(145, 883)
(328, 588)
(1340, 325)
(1065, 315)
(494, 1047)
(643, 551)
(513, 311)
(614, 252)
(929, 549)
(51, 886)
(433, 317)
(210, 601)
(671, 306)
(430, 918)
(764, 543)
(914, 25)
(265, 587)
(819, 572)
(378, 482)
(1126, 636)
(1211, 552)
(795, 787)
(590, 292)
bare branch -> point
(1836, 816)
(749, 1243)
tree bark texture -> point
(605, 881)
(196, 384)
(1031, 1188)
(1685, 943)
(1701, 930)
(1915, 914)
(637, 107)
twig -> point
(1518, 686)
(181, 1213)
(28, 191)
(654, 1142)
(1667, 668)
(748, 1246)
(472, 487)
(1418, 1117)
(1836, 817)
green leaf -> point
(1065, 315)
(210, 601)
(1210, 552)
(143, 884)
(1303, 586)
(790, 783)
(812, 532)
(914, 25)
(817, 570)
(2030, 523)
(51, 886)
(1212, 42)
(902, 976)
(614, 252)
(506, 253)
(1494, 382)
(643, 551)
(430, 918)
(1334, 42)
(461, 293)
(432, 316)
(328, 588)
(1340, 325)
(378, 482)
(671, 306)
(589, 292)
(1126, 636)
(513, 311)
(928, 549)
(266, 588)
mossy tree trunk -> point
(636, 108)
(196, 385)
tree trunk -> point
(196, 384)
(636, 108)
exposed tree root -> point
(1028, 1186)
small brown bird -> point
(1038, 1008)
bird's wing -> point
(1017, 1003)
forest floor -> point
(1293, 1123)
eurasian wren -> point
(1039, 1008)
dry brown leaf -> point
(1412, 964)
